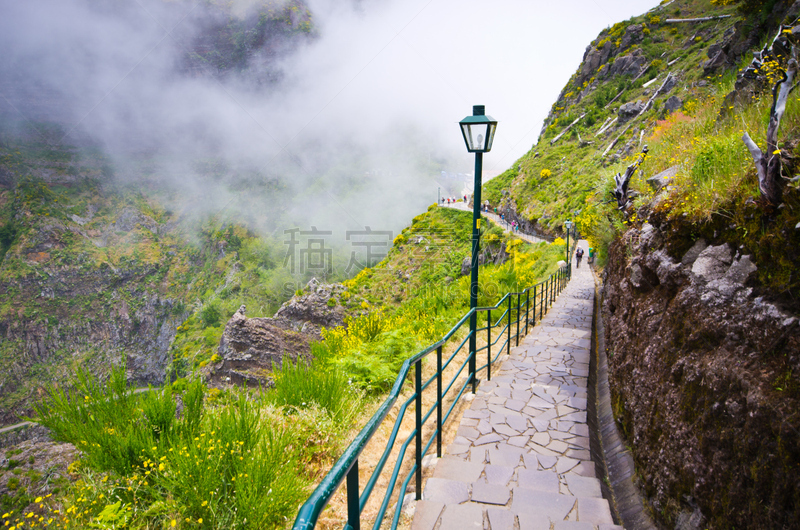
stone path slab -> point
(520, 458)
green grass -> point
(221, 460)
(409, 311)
(302, 385)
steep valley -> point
(190, 285)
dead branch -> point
(702, 19)
(622, 193)
(768, 163)
(554, 140)
(606, 124)
(615, 98)
(640, 74)
(614, 142)
(653, 97)
(642, 71)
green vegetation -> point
(227, 459)
(552, 183)
(221, 460)
(411, 311)
(714, 193)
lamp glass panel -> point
(477, 135)
(467, 135)
(492, 127)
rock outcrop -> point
(630, 110)
(251, 348)
(697, 367)
(311, 311)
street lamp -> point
(478, 131)
(567, 225)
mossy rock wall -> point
(705, 382)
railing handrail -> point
(309, 512)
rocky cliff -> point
(699, 268)
(251, 348)
(703, 377)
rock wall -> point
(704, 382)
(508, 208)
(96, 323)
(251, 348)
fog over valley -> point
(290, 113)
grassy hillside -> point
(207, 462)
(680, 352)
(713, 190)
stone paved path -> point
(520, 459)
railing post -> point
(439, 402)
(541, 300)
(353, 515)
(527, 309)
(418, 450)
(518, 312)
(489, 344)
(546, 295)
(508, 321)
(473, 357)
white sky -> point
(386, 82)
(431, 60)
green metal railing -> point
(515, 307)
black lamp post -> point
(478, 131)
(567, 225)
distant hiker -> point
(448, 201)
(495, 210)
(465, 199)
(578, 256)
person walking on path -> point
(578, 256)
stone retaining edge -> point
(613, 462)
